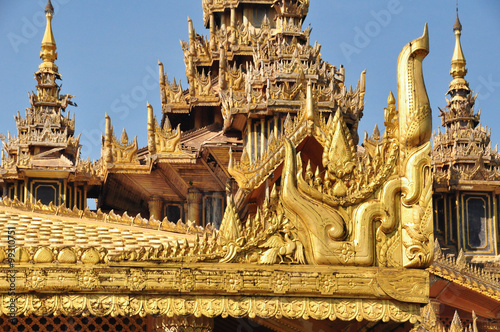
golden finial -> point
(48, 53)
(457, 25)
(49, 7)
(458, 70)
(150, 116)
(391, 100)
(309, 102)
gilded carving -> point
(66, 256)
(35, 279)
(43, 255)
(101, 305)
(319, 309)
(118, 151)
(136, 280)
(232, 282)
(91, 256)
(211, 307)
(292, 308)
(163, 140)
(71, 304)
(88, 279)
(185, 280)
(303, 245)
(280, 282)
(327, 283)
(264, 307)
(344, 309)
(43, 306)
(283, 247)
(267, 309)
(157, 306)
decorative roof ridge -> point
(458, 270)
(111, 217)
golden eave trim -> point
(470, 282)
(211, 306)
(150, 277)
(457, 270)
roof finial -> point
(458, 70)
(457, 25)
(48, 53)
(49, 8)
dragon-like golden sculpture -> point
(367, 205)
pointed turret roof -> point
(457, 25)
(48, 53)
(458, 62)
(465, 141)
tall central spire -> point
(48, 53)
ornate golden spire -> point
(458, 70)
(48, 53)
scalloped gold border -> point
(212, 306)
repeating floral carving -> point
(280, 282)
(168, 279)
(88, 279)
(233, 282)
(35, 279)
(327, 283)
(185, 280)
(264, 307)
(136, 280)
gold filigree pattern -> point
(172, 278)
(36, 279)
(88, 279)
(102, 305)
(136, 280)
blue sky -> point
(108, 53)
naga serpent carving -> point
(393, 224)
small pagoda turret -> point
(466, 169)
(42, 163)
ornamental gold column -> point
(194, 205)
(155, 205)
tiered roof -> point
(45, 140)
(463, 152)
(255, 68)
